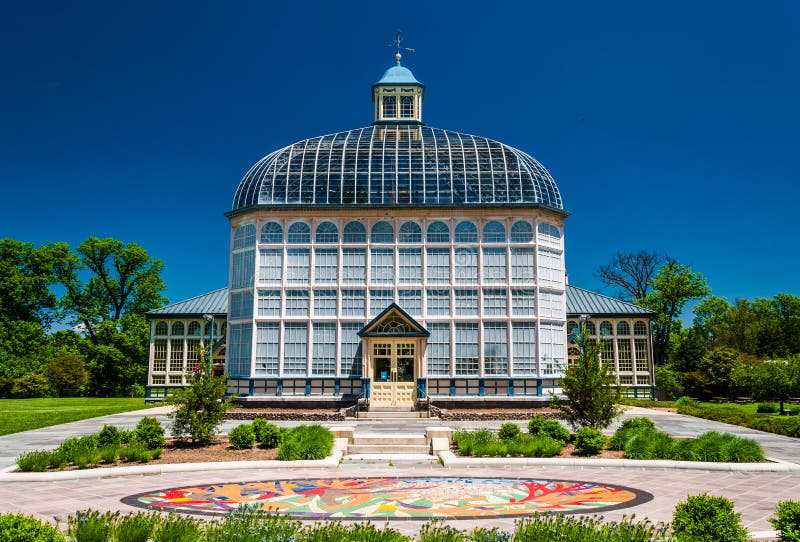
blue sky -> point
(668, 126)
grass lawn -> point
(23, 414)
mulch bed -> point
(220, 450)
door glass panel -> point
(382, 361)
(405, 362)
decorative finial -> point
(397, 44)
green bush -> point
(787, 520)
(267, 435)
(703, 518)
(109, 435)
(242, 437)
(78, 444)
(305, 442)
(686, 402)
(91, 526)
(539, 425)
(135, 527)
(649, 444)
(508, 431)
(136, 452)
(252, 525)
(67, 374)
(438, 531)
(175, 528)
(626, 431)
(30, 386)
(547, 527)
(125, 436)
(468, 441)
(533, 446)
(109, 454)
(149, 433)
(589, 441)
(767, 408)
(36, 461)
(21, 528)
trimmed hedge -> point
(781, 425)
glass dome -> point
(397, 165)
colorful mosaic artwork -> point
(396, 498)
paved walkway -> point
(754, 495)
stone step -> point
(410, 439)
(393, 449)
(388, 415)
(383, 459)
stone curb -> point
(332, 461)
(449, 459)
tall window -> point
(549, 234)
(523, 302)
(639, 328)
(382, 232)
(524, 338)
(269, 302)
(299, 232)
(270, 266)
(272, 232)
(466, 349)
(389, 107)
(160, 355)
(354, 232)
(606, 329)
(551, 345)
(244, 236)
(354, 264)
(382, 265)
(411, 301)
(466, 302)
(495, 348)
(438, 232)
(410, 232)
(467, 265)
(379, 300)
(239, 349)
(326, 264)
(495, 302)
(439, 349)
(350, 349)
(551, 271)
(327, 232)
(353, 303)
(297, 265)
(625, 360)
(323, 360)
(407, 107)
(642, 356)
(296, 302)
(438, 263)
(494, 232)
(243, 269)
(551, 305)
(267, 341)
(438, 302)
(241, 305)
(177, 328)
(494, 265)
(324, 302)
(522, 265)
(521, 232)
(410, 265)
(295, 349)
(607, 353)
(466, 232)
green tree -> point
(774, 380)
(688, 348)
(67, 374)
(200, 407)
(673, 287)
(590, 397)
(719, 366)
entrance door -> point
(393, 382)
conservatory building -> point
(393, 264)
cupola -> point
(398, 96)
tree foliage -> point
(66, 374)
(631, 272)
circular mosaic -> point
(396, 498)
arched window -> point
(549, 233)
(494, 232)
(327, 232)
(389, 107)
(623, 328)
(605, 328)
(394, 325)
(590, 328)
(194, 328)
(207, 329)
(177, 328)
(438, 232)
(466, 232)
(271, 232)
(355, 232)
(639, 328)
(407, 107)
(410, 232)
(572, 330)
(299, 232)
(244, 236)
(224, 328)
(521, 232)
(382, 232)
(161, 328)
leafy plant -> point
(149, 433)
(66, 374)
(91, 526)
(21, 528)
(438, 531)
(175, 528)
(787, 520)
(508, 431)
(305, 442)
(589, 441)
(250, 524)
(108, 435)
(703, 518)
(36, 461)
(200, 407)
(649, 444)
(626, 430)
(686, 402)
(242, 437)
(29, 386)
(267, 434)
(767, 408)
(109, 453)
(135, 527)
(539, 425)
(136, 452)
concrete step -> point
(390, 415)
(392, 449)
(382, 460)
(408, 439)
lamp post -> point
(210, 319)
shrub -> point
(175, 528)
(107, 436)
(30, 386)
(21, 528)
(200, 407)
(767, 408)
(252, 525)
(305, 442)
(135, 527)
(91, 526)
(149, 433)
(438, 531)
(626, 431)
(539, 425)
(267, 434)
(136, 452)
(508, 431)
(686, 402)
(534, 446)
(589, 441)
(744, 450)
(36, 461)
(649, 444)
(125, 436)
(588, 529)
(703, 518)
(66, 374)
(467, 441)
(787, 520)
(242, 437)
(109, 454)
(74, 444)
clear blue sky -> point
(672, 126)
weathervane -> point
(397, 44)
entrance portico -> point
(394, 349)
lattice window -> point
(494, 232)
(438, 264)
(297, 265)
(591, 329)
(379, 300)
(466, 265)
(548, 233)
(410, 265)
(351, 361)
(324, 302)
(466, 302)
(625, 360)
(327, 232)
(522, 265)
(272, 232)
(390, 107)
(642, 355)
(244, 236)
(323, 359)
(639, 328)
(410, 232)
(353, 303)
(354, 264)
(551, 270)
(355, 232)
(551, 305)
(394, 325)
(523, 302)
(438, 232)
(192, 358)
(438, 302)
(606, 328)
(551, 343)
(411, 301)
(495, 302)
(295, 349)
(241, 305)
(270, 266)
(177, 328)
(299, 232)
(160, 355)
(438, 354)
(194, 328)
(524, 339)
(467, 353)
(495, 348)
(326, 265)
(296, 302)
(606, 348)
(494, 266)
(244, 264)
(521, 232)
(382, 265)
(161, 328)
(623, 328)
(176, 356)
(382, 232)
(269, 302)
(466, 232)
(407, 107)
(267, 346)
